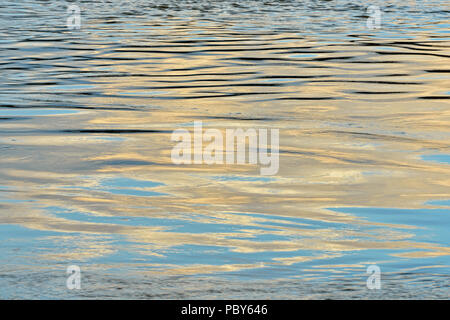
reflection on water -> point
(85, 170)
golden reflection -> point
(359, 148)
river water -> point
(86, 176)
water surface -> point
(86, 176)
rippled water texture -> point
(86, 176)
